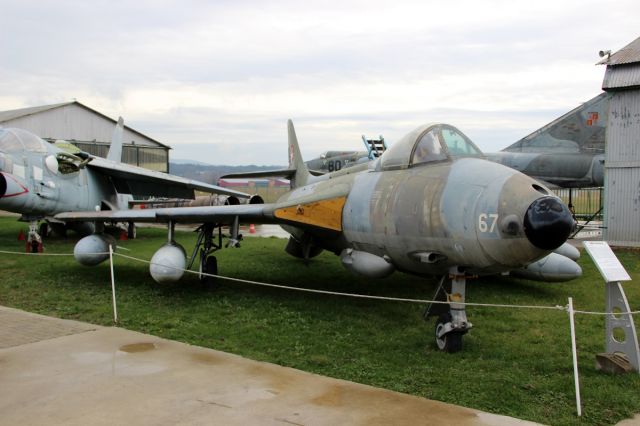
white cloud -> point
(231, 73)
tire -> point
(131, 231)
(208, 266)
(450, 342)
(44, 230)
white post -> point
(113, 286)
(575, 357)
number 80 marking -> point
(487, 222)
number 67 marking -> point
(487, 222)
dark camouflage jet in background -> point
(332, 161)
(568, 152)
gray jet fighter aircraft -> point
(568, 152)
(39, 180)
(429, 206)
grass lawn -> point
(514, 362)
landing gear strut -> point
(452, 322)
(207, 244)
(34, 240)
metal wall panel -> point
(621, 76)
(92, 133)
(622, 182)
(72, 122)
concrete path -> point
(58, 372)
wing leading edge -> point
(136, 180)
(254, 213)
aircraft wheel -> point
(35, 246)
(131, 231)
(450, 342)
(208, 266)
(44, 230)
(57, 230)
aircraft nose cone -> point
(548, 223)
(3, 185)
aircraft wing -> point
(135, 180)
(284, 173)
(254, 213)
(305, 212)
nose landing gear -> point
(452, 322)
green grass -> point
(514, 362)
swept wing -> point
(256, 213)
(136, 180)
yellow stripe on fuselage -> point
(323, 213)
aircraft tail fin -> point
(296, 163)
(297, 172)
(115, 150)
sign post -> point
(621, 337)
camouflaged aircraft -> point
(568, 152)
(39, 180)
(431, 205)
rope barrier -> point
(41, 254)
(607, 313)
(335, 293)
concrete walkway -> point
(58, 372)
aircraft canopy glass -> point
(427, 144)
(16, 140)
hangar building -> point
(622, 162)
(89, 130)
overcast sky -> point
(217, 80)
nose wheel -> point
(447, 340)
(452, 322)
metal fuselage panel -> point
(46, 192)
(458, 210)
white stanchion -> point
(113, 286)
(576, 378)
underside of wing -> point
(138, 181)
(283, 173)
(254, 213)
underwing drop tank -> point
(93, 249)
(366, 264)
(551, 268)
(168, 263)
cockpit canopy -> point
(427, 144)
(17, 140)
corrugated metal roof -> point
(23, 112)
(627, 55)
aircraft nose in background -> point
(3, 185)
(10, 187)
(548, 223)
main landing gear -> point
(34, 240)
(452, 322)
(207, 244)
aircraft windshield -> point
(15, 140)
(428, 144)
(458, 144)
(428, 149)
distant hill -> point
(211, 173)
